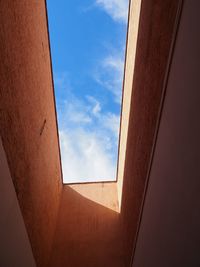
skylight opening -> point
(88, 42)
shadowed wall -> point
(169, 232)
(15, 249)
(156, 27)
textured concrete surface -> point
(169, 234)
(154, 39)
(27, 119)
(88, 233)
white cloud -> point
(88, 140)
(96, 109)
(110, 75)
(115, 63)
(111, 121)
(85, 157)
(117, 9)
(76, 112)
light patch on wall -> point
(88, 47)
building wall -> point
(89, 230)
(156, 28)
(27, 119)
(15, 249)
(169, 232)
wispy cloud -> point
(75, 111)
(117, 9)
(109, 74)
(88, 139)
(96, 106)
(111, 121)
(85, 157)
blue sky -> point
(88, 45)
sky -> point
(88, 40)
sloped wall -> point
(27, 119)
(156, 28)
(169, 233)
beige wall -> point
(15, 249)
(170, 228)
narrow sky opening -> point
(88, 41)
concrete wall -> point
(15, 249)
(169, 233)
(89, 230)
(156, 27)
(27, 119)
